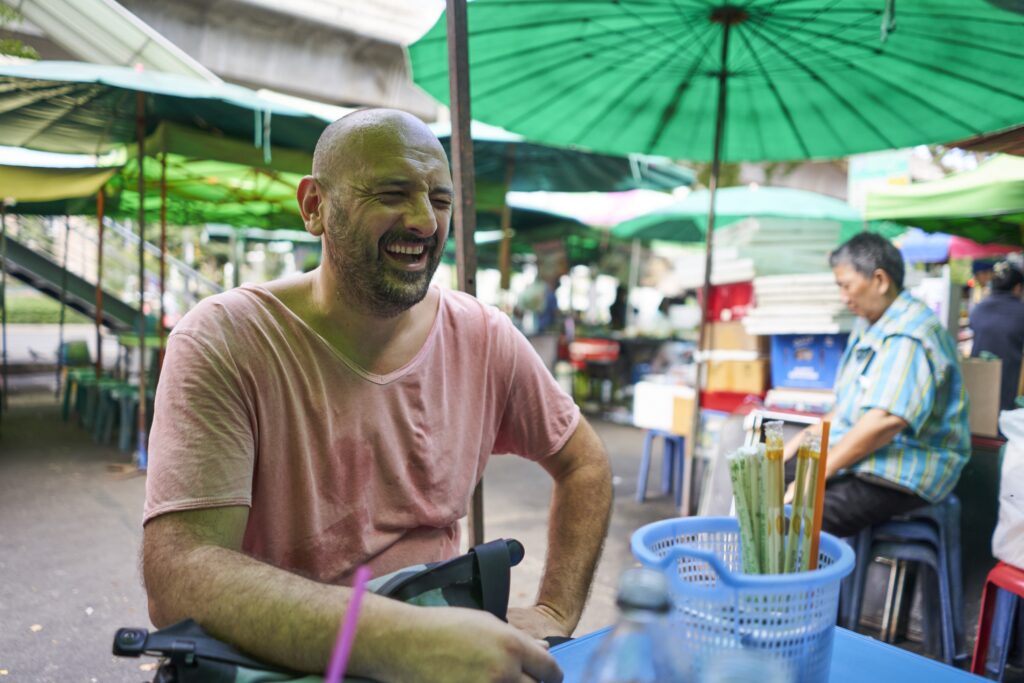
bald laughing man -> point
(343, 417)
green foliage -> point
(13, 47)
(38, 309)
(728, 174)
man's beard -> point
(363, 276)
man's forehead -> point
(363, 138)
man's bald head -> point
(355, 137)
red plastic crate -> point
(731, 301)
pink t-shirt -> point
(338, 465)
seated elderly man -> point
(899, 437)
(342, 417)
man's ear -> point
(883, 283)
(311, 204)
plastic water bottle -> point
(638, 650)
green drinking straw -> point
(739, 473)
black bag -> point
(479, 579)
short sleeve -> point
(202, 443)
(902, 382)
(539, 417)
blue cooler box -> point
(806, 361)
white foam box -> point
(654, 403)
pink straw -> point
(347, 632)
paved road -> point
(69, 536)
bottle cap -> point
(646, 589)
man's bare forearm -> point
(272, 614)
(580, 509)
(875, 429)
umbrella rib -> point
(897, 87)
(917, 63)
(501, 59)
(669, 111)
(825, 119)
(786, 114)
(839, 26)
(566, 61)
(614, 102)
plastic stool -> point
(673, 452)
(934, 528)
(1000, 599)
(923, 554)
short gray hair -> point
(867, 252)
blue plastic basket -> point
(788, 617)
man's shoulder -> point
(465, 311)
(224, 313)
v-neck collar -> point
(263, 292)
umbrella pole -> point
(726, 16)
(63, 303)
(99, 281)
(465, 191)
(505, 251)
(140, 134)
(634, 280)
(3, 304)
(163, 256)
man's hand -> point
(790, 493)
(458, 645)
(538, 621)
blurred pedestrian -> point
(998, 325)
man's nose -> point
(421, 217)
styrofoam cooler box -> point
(806, 361)
(653, 403)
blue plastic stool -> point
(931, 536)
(673, 452)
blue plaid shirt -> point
(906, 364)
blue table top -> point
(854, 658)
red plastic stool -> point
(1005, 584)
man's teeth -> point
(411, 251)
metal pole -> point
(634, 280)
(100, 208)
(163, 255)
(727, 16)
(140, 135)
(465, 190)
(63, 303)
(3, 302)
(505, 249)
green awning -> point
(75, 107)
(985, 205)
(35, 184)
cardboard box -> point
(732, 336)
(682, 415)
(739, 376)
(982, 382)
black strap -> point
(494, 562)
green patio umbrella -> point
(985, 205)
(751, 80)
(804, 78)
(686, 220)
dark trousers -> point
(854, 502)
